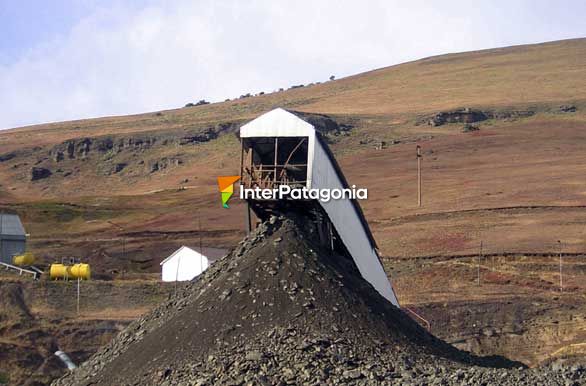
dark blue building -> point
(12, 237)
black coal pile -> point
(282, 310)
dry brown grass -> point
(540, 73)
(536, 161)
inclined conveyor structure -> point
(281, 147)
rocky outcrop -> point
(82, 148)
(58, 156)
(468, 116)
(205, 136)
(510, 114)
(163, 163)
(457, 116)
(567, 109)
(140, 154)
(327, 126)
(38, 173)
(7, 156)
(119, 167)
(136, 153)
(116, 168)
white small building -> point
(187, 263)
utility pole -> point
(561, 276)
(418, 176)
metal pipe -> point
(66, 360)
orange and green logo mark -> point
(226, 185)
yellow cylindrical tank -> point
(58, 272)
(23, 260)
(80, 271)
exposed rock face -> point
(325, 124)
(511, 114)
(457, 116)
(38, 173)
(7, 156)
(86, 147)
(568, 108)
(138, 154)
(163, 163)
(207, 135)
(70, 149)
(119, 167)
(469, 116)
(134, 156)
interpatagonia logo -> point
(226, 186)
(286, 192)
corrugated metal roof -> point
(10, 225)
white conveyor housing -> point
(281, 146)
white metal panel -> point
(349, 227)
(277, 123)
(184, 264)
(311, 140)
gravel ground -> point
(281, 310)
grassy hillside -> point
(153, 174)
(532, 74)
